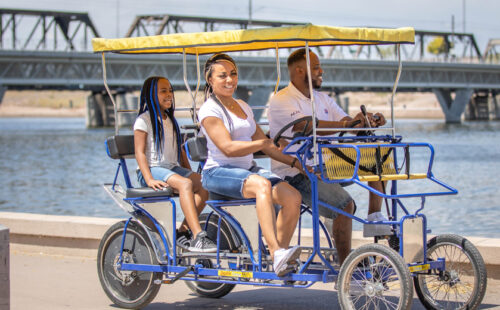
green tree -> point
(386, 52)
(438, 46)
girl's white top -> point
(169, 156)
(242, 130)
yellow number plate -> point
(420, 267)
(235, 274)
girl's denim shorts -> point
(229, 180)
(163, 173)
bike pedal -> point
(293, 282)
(178, 276)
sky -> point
(113, 17)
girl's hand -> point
(157, 184)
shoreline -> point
(73, 104)
(32, 112)
(10, 111)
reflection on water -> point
(57, 166)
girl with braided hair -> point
(232, 138)
(163, 163)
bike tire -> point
(374, 276)
(127, 289)
(463, 284)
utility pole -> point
(463, 13)
(249, 13)
(117, 18)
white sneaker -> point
(285, 258)
(371, 230)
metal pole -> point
(463, 13)
(249, 13)
(394, 89)
(452, 30)
(278, 68)
(13, 31)
(195, 118)
(117, 18)
(109, 93)
(184, 73)
(309, 80)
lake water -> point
(57, 166)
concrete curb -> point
(55, 234)
(4, 268)
(80, 236)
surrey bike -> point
(137, 255)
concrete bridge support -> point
(100, 112)
(255, 97)
(97, 110)
(4, 268)
(3, 89)
(453, 107)
(495, 105)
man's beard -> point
(315, 83)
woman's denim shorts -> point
(229, 180)
(162, 173)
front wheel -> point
(462, 285)
(374, 276)
(127, 289)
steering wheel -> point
(279, 135)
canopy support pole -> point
(278, 70)
(109, 92)
(186, 83)
(195, 117)
(313, 106)
(398, 75)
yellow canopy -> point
(254, 39)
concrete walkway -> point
(53, 266)
(40, 281)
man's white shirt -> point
(290, 104)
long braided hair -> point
(209, 92)
(149, 102)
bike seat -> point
(215, 196)
(145, 192)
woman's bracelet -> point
(293, 162)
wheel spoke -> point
(462, 284)
(383, 275)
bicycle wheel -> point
(127, 289)
(462, 285)
(374, 277)
(227, 242)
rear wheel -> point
(227, 242)
(374, 277)
(127, 289)
(462, 285)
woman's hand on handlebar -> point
(266, 144)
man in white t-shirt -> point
(293, 102)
